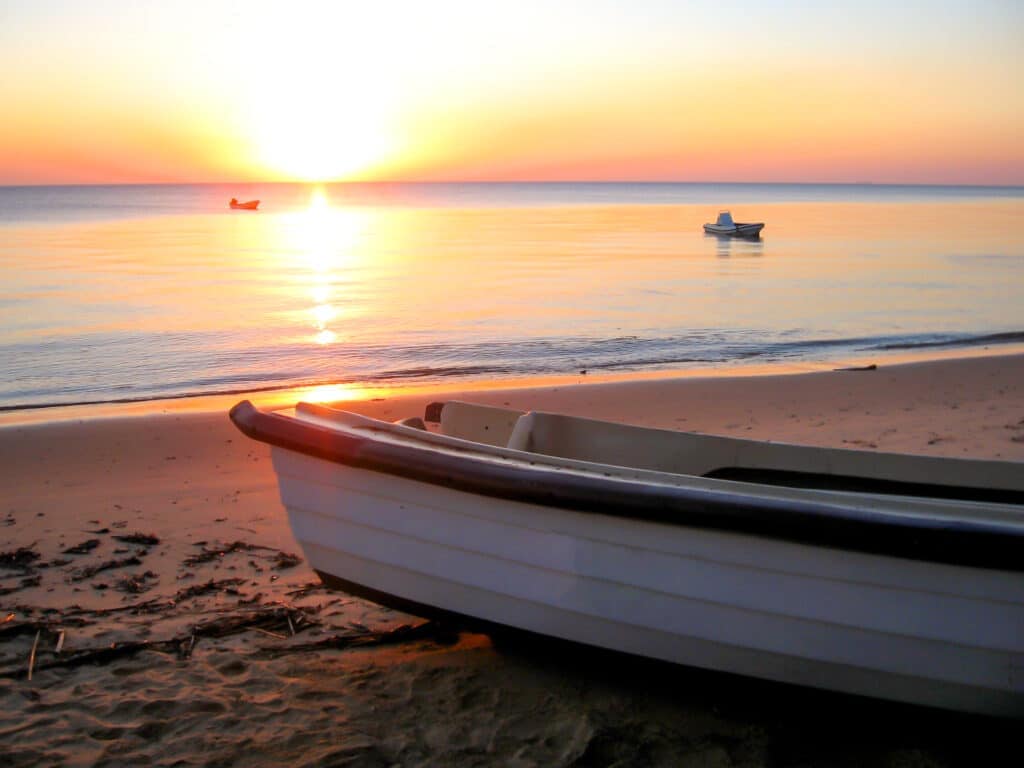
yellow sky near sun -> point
(109, 92)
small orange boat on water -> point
(246, 206)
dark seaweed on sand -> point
(146, 539)
(25, 583)
(308, 589)
(136, 583)
(278, 621)
(208, 555)
(76, 616)
(81, 549)
(281, 618)
(223, 585)
(89, 571)
(57, 562)
(283, 560)
(280, 560)
(19, 559)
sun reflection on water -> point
(328, 242)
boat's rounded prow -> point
(241, 414)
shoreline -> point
(356, 391)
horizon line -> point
(512, 181)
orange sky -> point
(110, 92)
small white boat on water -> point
(726, 226)
(893, 576)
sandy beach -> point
(153, 549)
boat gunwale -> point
(980, 544)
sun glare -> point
(320, 143)
(312, 116)
(325, 243)
(331, 393)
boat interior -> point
(576, 442)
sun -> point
(313, 139)
(309, 135)
(323, 97)
(315, 112)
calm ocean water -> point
(139, 292)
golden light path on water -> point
(327, 242)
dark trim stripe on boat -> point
(974, 543)
(820, 481)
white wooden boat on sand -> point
(726, 226)
(893, 576)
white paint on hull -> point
(929, 633)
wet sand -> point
(155, 550)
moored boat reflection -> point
(727, 246)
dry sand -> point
(205, 578)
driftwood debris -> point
(14, 629)
(109, 653)
(273, 621)
(32, 655)
(280, 621)
(269, 633)
(272, 618)
(872, 367)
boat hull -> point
(739, 230)
(938, 634)
(251, 205)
